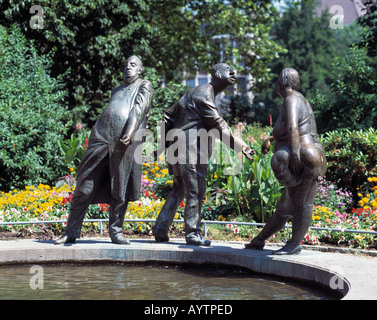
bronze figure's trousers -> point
(191, 185)
(83, 197)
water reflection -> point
(123, 281)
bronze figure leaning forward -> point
(195, 113)
(298, 163)
(110, 170)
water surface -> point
(147, 282)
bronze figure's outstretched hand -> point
(266, 145)
(248, 152)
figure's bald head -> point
(223, 73)
(133, 69)
(289, 78)
(136, 59)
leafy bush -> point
(353, 99)
(32, 117)
(351, 157)
(254, 191)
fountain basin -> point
(349, 275)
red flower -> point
(67, 199)
(103, 206)
(182, 205)
(86, 144)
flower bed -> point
(226, 199)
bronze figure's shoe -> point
(287, 250)
(197, 240)
(161, 236)
(119, 239)
(65, 239)
(255, 244)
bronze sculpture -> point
(298, 163)
(110, 170)
(195, 112)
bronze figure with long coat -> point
(110, 170)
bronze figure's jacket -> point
(194, 111)
(128, 111)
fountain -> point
(98, 253)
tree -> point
(352, 102)
(311, 46)
(32, 116)
(93, 39)
(369, 21)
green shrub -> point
(351, 157)
(31, 114)
(352, 102)
(252, 192)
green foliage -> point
(353, 99)
(351, 157)
(265, 190)
(164, 96)
(32, 117)
(311, 46)
(73, 149)
(253, 190)
(94, 38)
(369, 20)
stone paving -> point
(354, 275)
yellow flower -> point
(365, 200)
(71, 169)
(176, 216)
(215, 175)
(359, 195)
